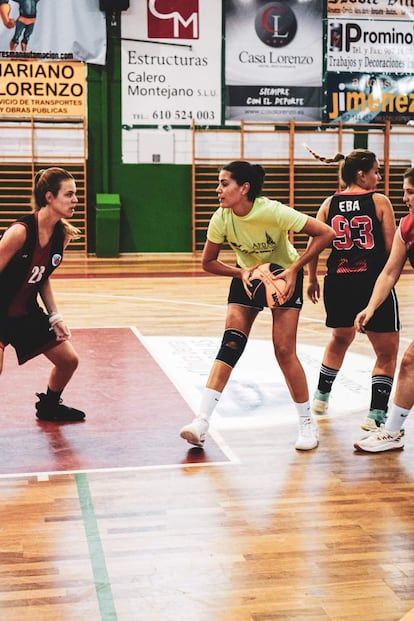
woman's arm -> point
(313, 290)
(321, 235)
(11, 242)
(46, 293)
(211, 263)
(55, 319)
(385, 281)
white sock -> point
(303, 409)
(209, 400)
(396, 418)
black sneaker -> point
(58, 413)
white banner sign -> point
(53, 30)
(171, 62)
(274, 60)
(368, 46)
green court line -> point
(96, 553)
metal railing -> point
(293, 176)
(28, 145)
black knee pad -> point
(232, 347)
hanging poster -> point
(171, 63)
(273, 67)
(370, 98)
(373, 9)
(370, 61)
(33, 88)
(53, 30)
(371, 46)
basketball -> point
(264, 289)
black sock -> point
(53, 397)
(326, 378)
(380, 392)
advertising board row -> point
(190, 61)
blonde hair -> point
(49, 180)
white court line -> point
(44, 476)
(231, 456)
(233, 459)
(136, 298)
(213, 433)
(221, 307)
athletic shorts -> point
(30, 335)
(237, 295)
(346, 295)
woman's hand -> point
(314, 291)
(362, 319)
(289, 276)
(246, 278)
(61, 330)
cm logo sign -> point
(173, 19)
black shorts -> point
(237, 295)
(347, 294)
(30, 335)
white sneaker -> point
(382, 440)
(370, 424)
(374, 420)
(308, 437)
(320, 402)
(195, 432)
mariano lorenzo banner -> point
(370, 61)
(44, 48)
(171, 62)
(34, 88)
(273, 60)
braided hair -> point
(350, 165)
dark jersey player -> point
(30, 250)
(364, 222)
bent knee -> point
(232, 346)
(343, 341)
(387, 359)
(74, 361)
(70, 362)
(284, 354)
(407, 363)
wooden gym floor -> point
(117, 519)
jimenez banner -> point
(370, 98)
(53, 30)
(171, 62)
(33, 88)
(273, 60)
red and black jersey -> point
(359, 244)
(406, 231)
(22, 278)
